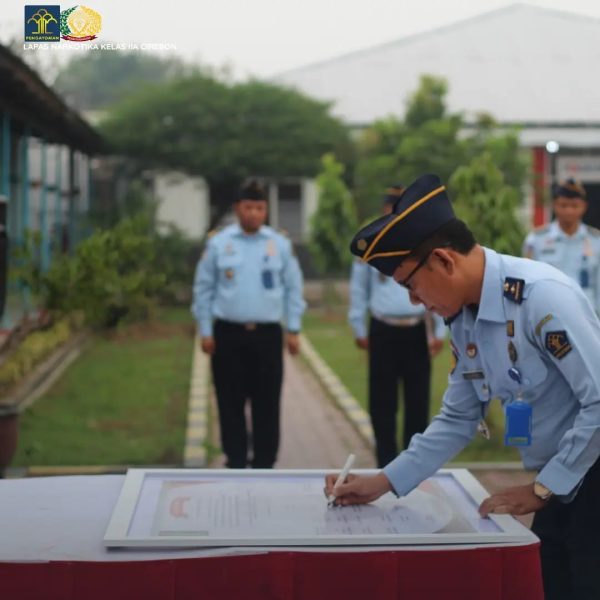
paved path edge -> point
(332, 384)
(196, 436)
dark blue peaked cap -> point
(420, 211)
(570, 189)
(393, 193)
(252, 190)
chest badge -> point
(471, 350)
(271, 248)
(229, 273)
(510, 328)
(512, 352)
(471, 375)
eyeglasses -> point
(405, 283)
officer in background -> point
(399, 348)
(523, 332)
(567, 243)
(247, 283)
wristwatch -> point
(541, 491)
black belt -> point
(250, 326)
(399, 321)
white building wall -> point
(310, 199)
(183, 201)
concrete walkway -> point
(314, 433)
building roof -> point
(29, 101)
(523, 64)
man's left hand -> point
(518, 500)
(435, 346)
(292, 342)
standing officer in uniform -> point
(567, 243)
(522, 332)
(247, 282)
(398, 347)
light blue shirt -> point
(577, 255)
(248, 278)
(371, 291)
(563, 391)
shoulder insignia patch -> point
(538, 327)
(557, 343)
(593, 231)
(513, 289)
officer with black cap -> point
(247, 283)
(399, 346)
(567, 243)
(524, 333)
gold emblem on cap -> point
(361, 244)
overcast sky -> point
(266, 37)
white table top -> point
(65, 519)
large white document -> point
(288, 508)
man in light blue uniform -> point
(522, 332)
(569, 244)
(399, 349)
(247, 283)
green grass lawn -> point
(124, 401)
(332, 337)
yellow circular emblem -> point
(81, 22)
(361, 245)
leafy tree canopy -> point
(224, 132)
(487, 204)
(96, 80)
(334, 222)
(430, 140)
(207, 127)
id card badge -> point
(267, 279)
(518, 424)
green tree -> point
(223, 132)
(108, 277)
(136, 200)
(431, 140)
(96, 80)
(427, 103)
(487, 204)
(484, 135)
(334, 222)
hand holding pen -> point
(346, 489)
(340, 479)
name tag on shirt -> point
(470, 375)
(267, 279)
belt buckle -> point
(250, 326)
